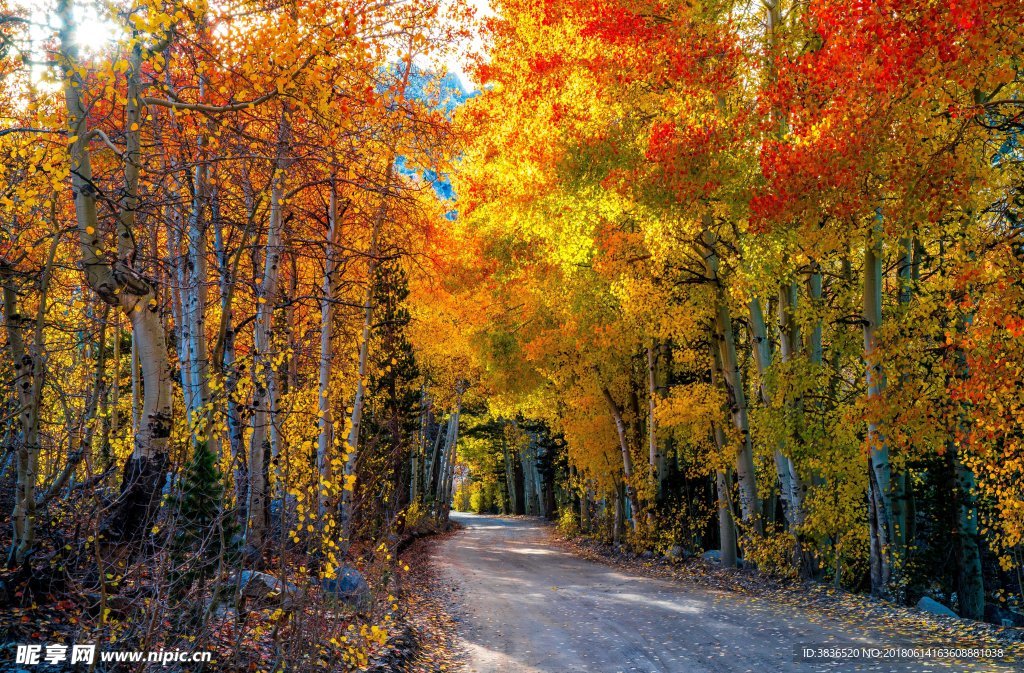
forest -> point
(286, 281)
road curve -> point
(529, 607)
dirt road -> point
(527, 606)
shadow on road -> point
(529, 607)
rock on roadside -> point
(264, 588)
(932, 606)
(350, 587)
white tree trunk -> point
(789, 346)
(444, 442)
(195, 315)
(763, 358)
(430, 487)
(136, 373)
(355, 420)
(224, 357)
(723, 478)
(26, 360)
(655, 457)
(448, 467)
(726, 525)
(122, 286)
(325, 420)
(417, 454)
(263, 374)
(538, 483)
(352, 448)
(627, 459)
(446, 501)
(880, 517)
(528, 494)
(510, 475)
(750, 503)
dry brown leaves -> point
(854, 609)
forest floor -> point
(430, 647)
(522, 601)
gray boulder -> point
(714, 556)
(283, 516)
(1000, 616)
(266, 589)
(932, 606)
(350, 587)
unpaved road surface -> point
(526, 606)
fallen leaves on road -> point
(854, 609)
(428, 605)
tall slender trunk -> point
(194, 295)
(970, 578)
(901, 484)
(627, 459)
(723, 477)
(662, 383)
(121, 285)
(276, 382)
(790, 485)
(225, 354)
(790, 343)
(529, 495)
(416, 450)
(180, 336)
(450, 455)
(763, 357)
(112, 426)
(726, 525)
(538, 482)
(425, 447)
(27, 359)
(263, 371)
(95, 398)
(352, 448)
(325, 420)
(443, 458)
(510, 475)
(732, 379)
(224, 358)
(136, 374)
(815, 346)
(194, 313)
(359, 400)
(414, 460)
(656, 458)
(880, 503)
(433, 465)
(291, 380)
